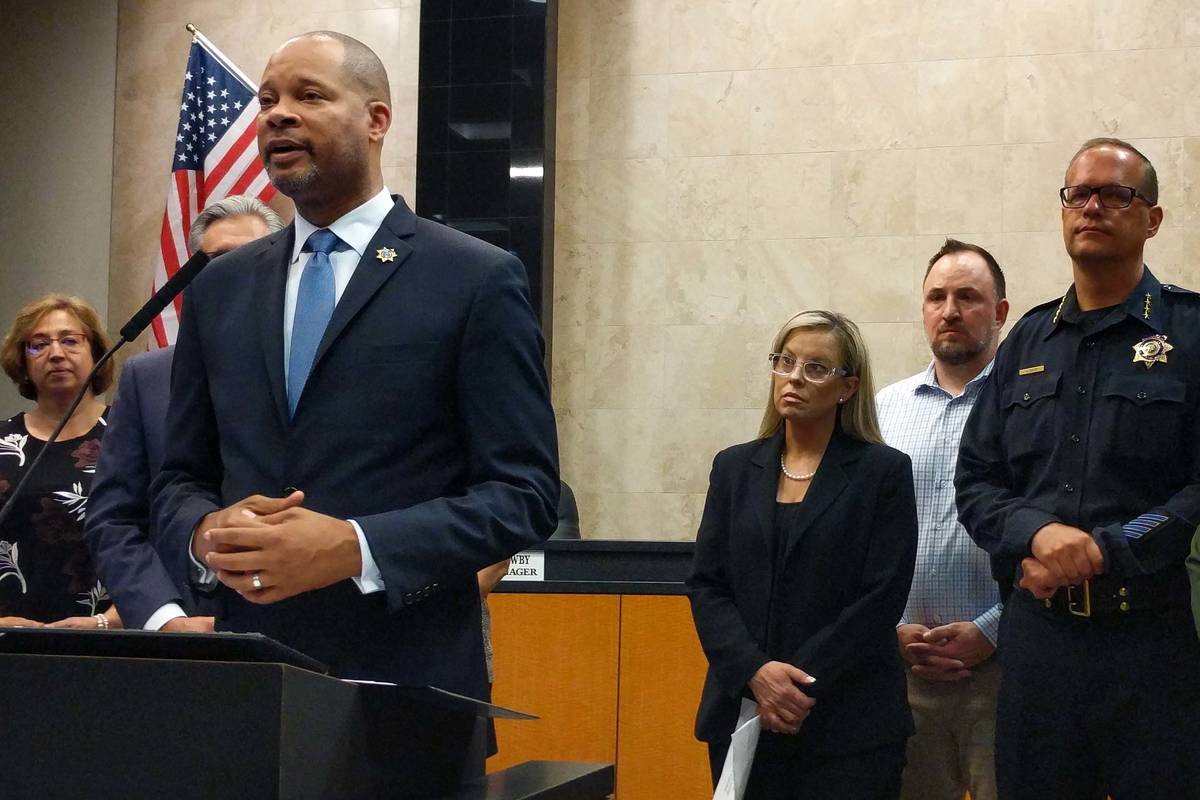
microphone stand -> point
(130, 331)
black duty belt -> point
(1113, 596)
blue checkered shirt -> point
(953, 579)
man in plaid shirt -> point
(948, 633)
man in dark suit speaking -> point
(360, 418)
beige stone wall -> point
(152, 51)
(55, 155)
(724, 163)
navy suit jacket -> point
(118, 527)
(426, 418)
(827, 600)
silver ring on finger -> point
(256, 581)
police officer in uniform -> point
(1079, 472)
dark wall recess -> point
(485, 127)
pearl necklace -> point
(791, 475)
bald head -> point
(360, 66)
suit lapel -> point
(371, 273)
(764, 487)
(271, 279)
(829, 482)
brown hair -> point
(955, 246)
(12, 352)
(857, 416)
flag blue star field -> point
(215, 156)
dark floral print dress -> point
(46, 571)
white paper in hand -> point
(736, 772)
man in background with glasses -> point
(948, 632)
(151, 592)
(1079, 472)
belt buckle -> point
(1073, 602)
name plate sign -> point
(528, 566)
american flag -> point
(215, 156)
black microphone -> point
(137, 323)
(178, 282)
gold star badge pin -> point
(1152, 350)
(385, 254)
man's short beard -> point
(955, 354)
(291, 186)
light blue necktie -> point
(314, 307)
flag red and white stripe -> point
(216, 155)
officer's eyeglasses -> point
(1113, 195)
(785, 365)
(70, 342)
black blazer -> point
(117, 527)
(831, 606)
(426, 418)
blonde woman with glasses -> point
(803, 562)
(46, 571)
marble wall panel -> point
(874, 106)
(704, 284)
(1034, 27)
(628, 36)
(571, 119)
(709, 114)
(875, 278)
(961, 102)
(626, 282)
(784, 276)
(1048, 98)
(710, 367)
(791, 110)
(960, 29)
(790, 196)
(789, 154)
(784, 33)
(627, 117)
(1144, 93)
(709, 35)
(875, 193)
(573, 221)
(878, 31)
(627, 200)
(575, 37)
(626, 366)
(1139, 24)
(959, 189)
(707, 198)
(696, 435)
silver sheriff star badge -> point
(386, 254)
(1151, 350)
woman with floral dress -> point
(46, 572)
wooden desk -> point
(615, 676)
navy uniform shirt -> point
(1090, 419)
